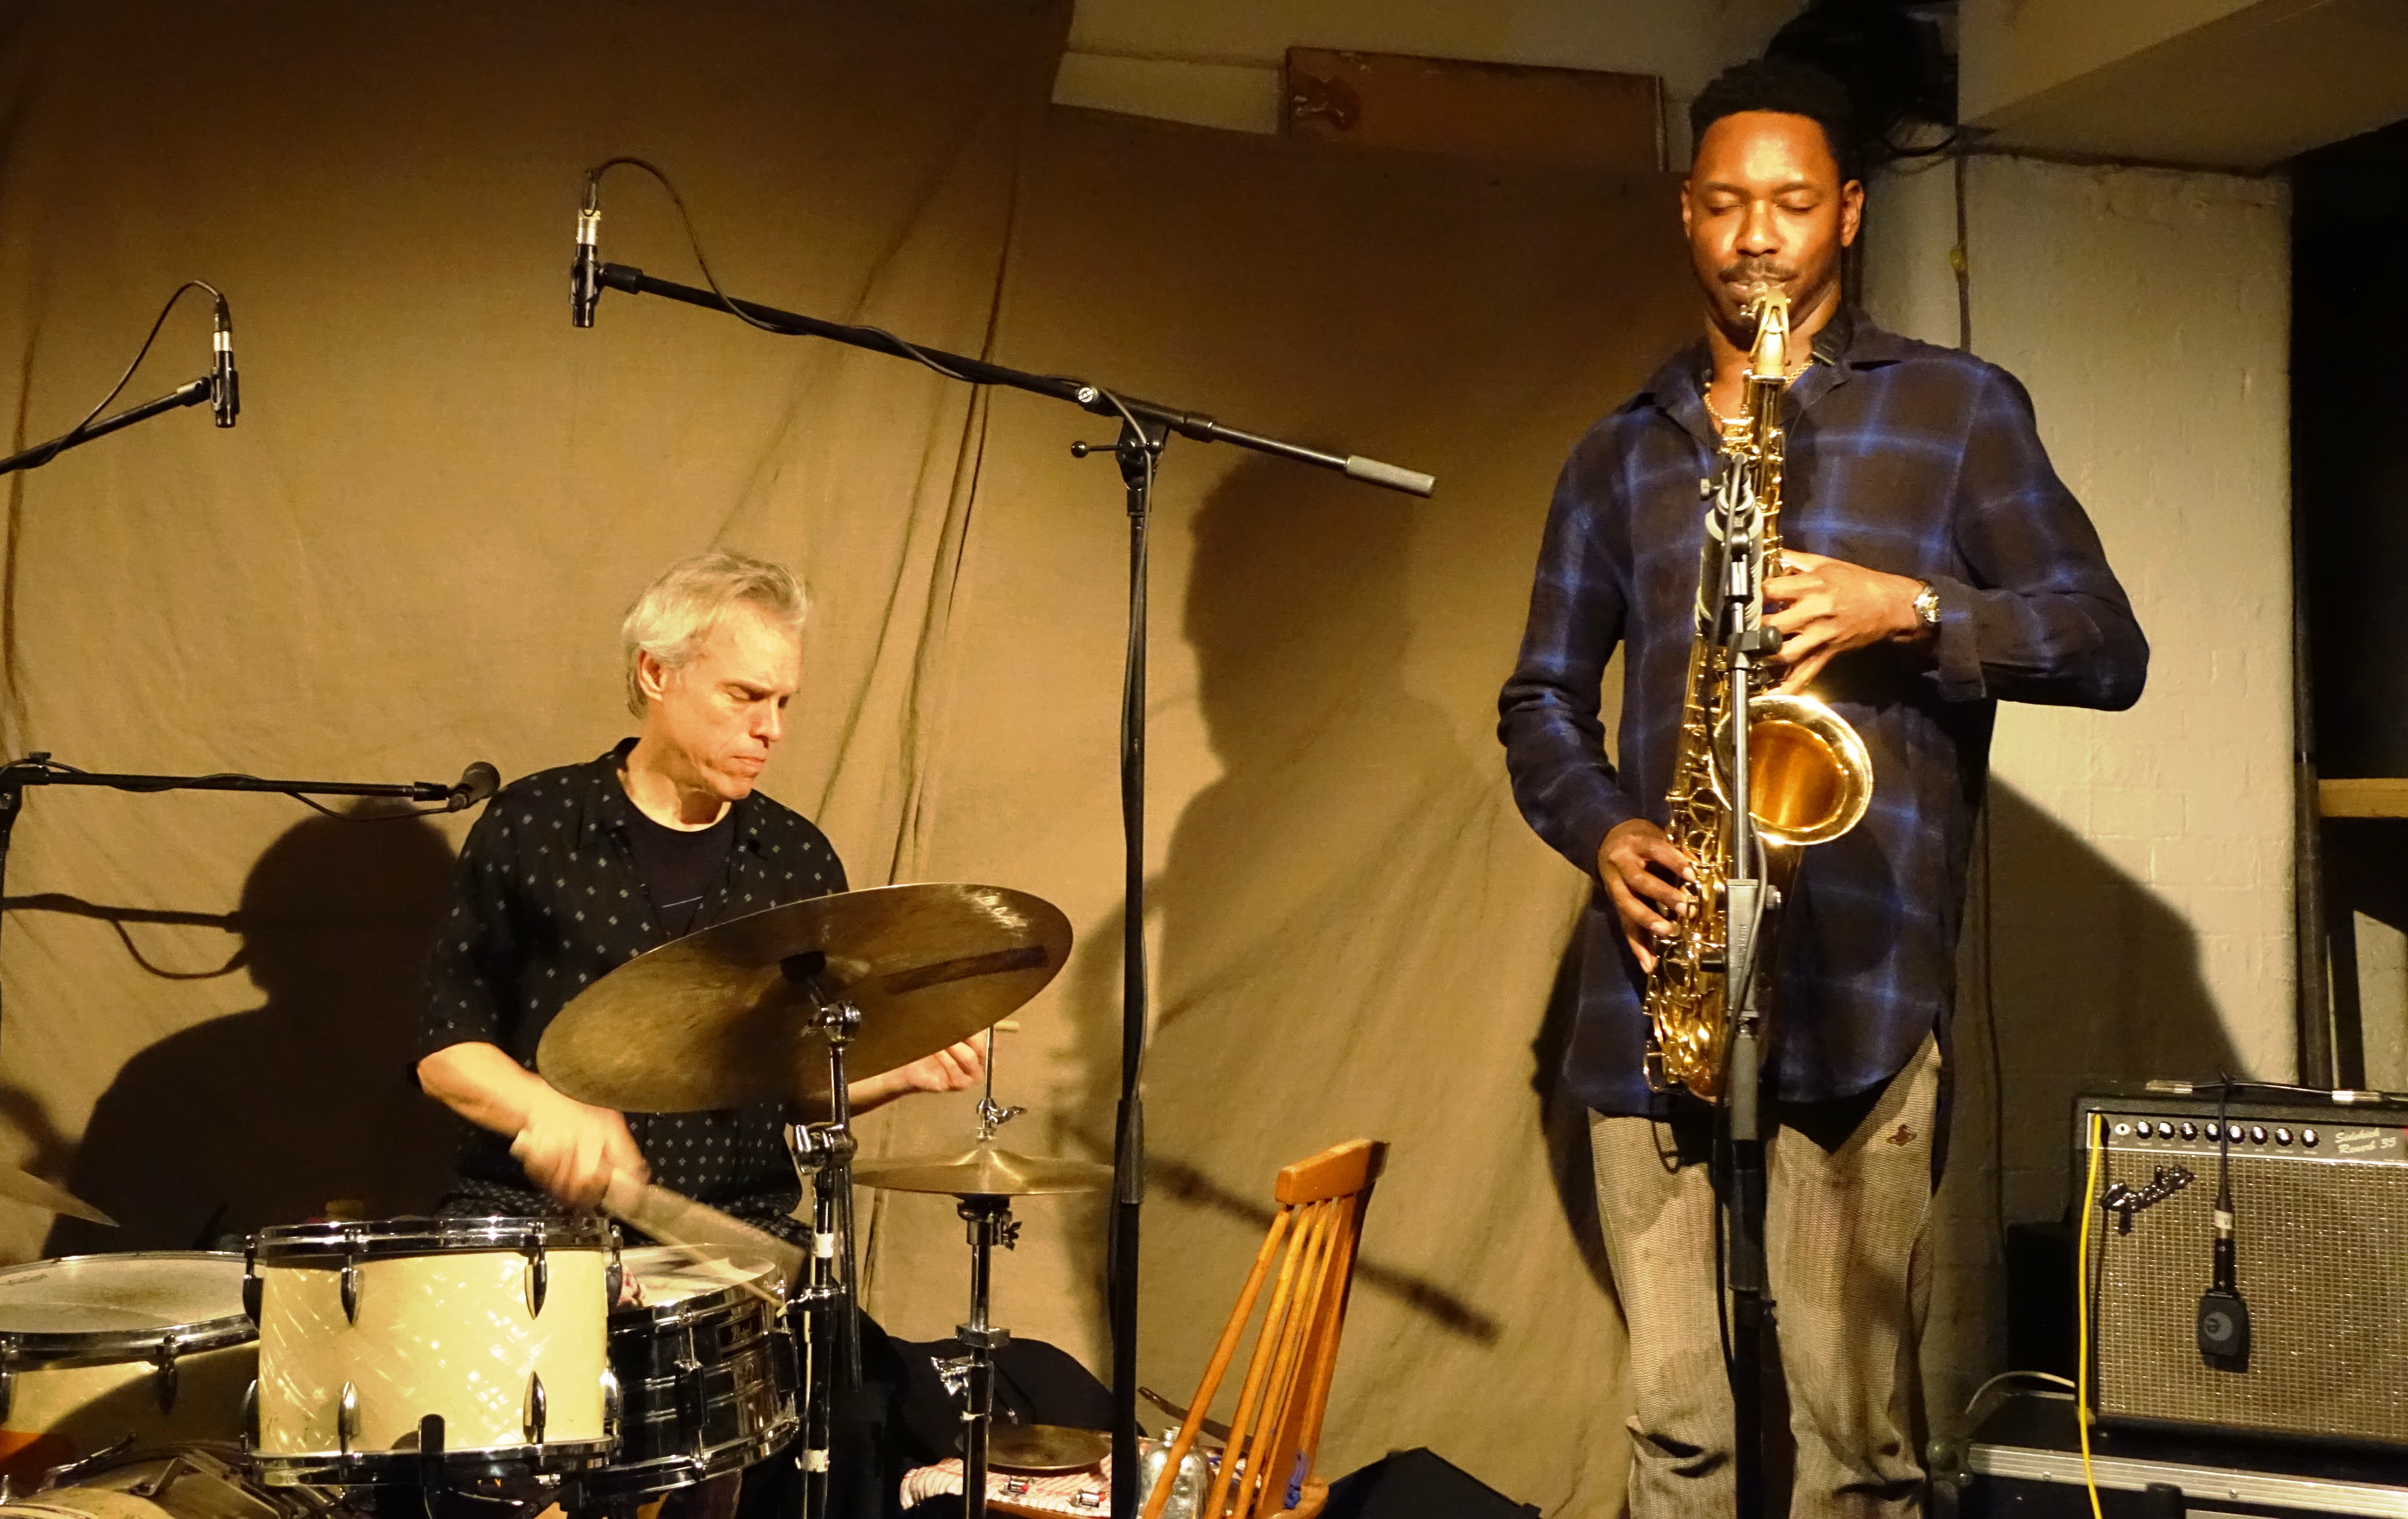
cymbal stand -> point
(829, 1330)
(972, 1376)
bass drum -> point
(137, 1351)
(194, 1482)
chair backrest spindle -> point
(1285, 1389)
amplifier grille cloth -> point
(2323, 1249)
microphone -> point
(225, 387)
(477, 783)
(584, 275)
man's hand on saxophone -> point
(1833, 606)
(1642, 870)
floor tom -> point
(146, 1348)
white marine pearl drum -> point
(499, 1326)
(99, 1351)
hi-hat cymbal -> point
(1045, 1447)
(25, 1187)
(985, 1170)
(719, 1019)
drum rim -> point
(641, 1479)
(468, 1234)
(727, 1300)
(66, 1349)
(333, 1468)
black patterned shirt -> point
(548, 900)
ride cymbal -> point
(985, 1170)
(722, 1017)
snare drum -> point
(500, 1325)
(99, 1350)
(706, 1369)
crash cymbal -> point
(1044, 1447)
(718, 1019)
(985, 1170)
(27, 1188)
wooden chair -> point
(1286, 1385)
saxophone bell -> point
(1810, 778)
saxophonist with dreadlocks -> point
(1925, 563)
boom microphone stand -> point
(477, 783)
(1750, 900)
(221, 387)
(1145, 427)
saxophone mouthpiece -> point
(1769, 358)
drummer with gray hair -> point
(572, 872)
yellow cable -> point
(2082, 1317)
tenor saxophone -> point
(1809, 780)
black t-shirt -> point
(680, 865)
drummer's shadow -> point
(264, 1116)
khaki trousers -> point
(1847, 1192)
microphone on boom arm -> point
(584, 275)
(226, 386)
(477, 783)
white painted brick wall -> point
(2141, 863)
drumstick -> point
(675, 1219)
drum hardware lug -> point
(351, 1289)
(431, 1484)
(346, 1424)
(9, 1346)
(163, 1373)
(250, 1417)
(538, 1275)
(613, 1403)
(785, 1356)
(536, 1410)
(614, 1276)
(693, 1404)
(251, 1282)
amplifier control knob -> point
(2214, 1132)
(2308, 1138)
(2165, 1130)
(2258, 1133)
(2282, 1136)
(2190, 1129)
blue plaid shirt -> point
(1902, 457)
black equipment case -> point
(2025, 1462)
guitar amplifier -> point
(2320, 1211)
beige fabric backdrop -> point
(413, 551)
(1353, 933)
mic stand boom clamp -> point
(1145, 426)
(35, 769)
